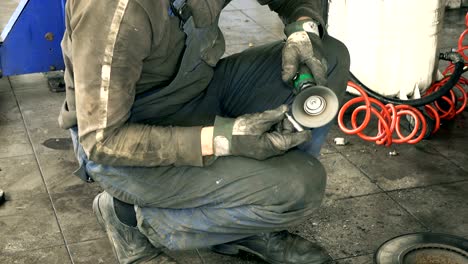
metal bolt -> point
(49, 36)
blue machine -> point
(31, 40)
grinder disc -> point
(423, 248)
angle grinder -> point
(314, 105)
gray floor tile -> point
(415, 165)
(51, 255)
(71, 196)
(457, 128)
(41, 109)
(247, 4)
(277, 31)
(233, 49)
(354, 142)
(328, 149)
(454, 26)
(75, 213)
(265, 18)
(14, 141)
(20, 205)
(4, 85)
(344, 179)
(93, 252)
(357, 226)
(45, 134)
(454, 149)
(40, 105)
(34, 81)
(9, 112)
(230, 7)
(235, 18)
(20, 177)
(442, 208)
(367, 259)
(57, 168)
(254, 34)
(29, 230)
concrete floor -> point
(7, 9)
(370, 196)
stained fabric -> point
(183, 207)
(130, 65)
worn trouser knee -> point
(301, 182)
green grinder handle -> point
(301, 79)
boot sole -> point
(235, 249)
(232, 250)
(97, 212)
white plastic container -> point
(393, 43)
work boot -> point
(278, 248)
(129, 244)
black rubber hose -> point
(454, 57)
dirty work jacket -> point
(117, 50)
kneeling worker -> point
(194, 151)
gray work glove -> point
(304, 46)
(258, 136)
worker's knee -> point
(337, 53)
(303, 181)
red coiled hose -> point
(389, 116)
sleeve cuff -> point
(188, 146)
(222, 136)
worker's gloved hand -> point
(258, 136)
(304, 46)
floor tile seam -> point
(74, 243)
(257, 23)
(447, 158)
(359, 196)
(41, 173)
(16, 156)
(251, 18)
(354, 256)
(385, 190)
(327, 154)
(362, 171)
(409, 213)
(30, 250)
(426, 186)
(234, 27)
(272, 37)
(386, 194)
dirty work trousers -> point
(235, 197)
